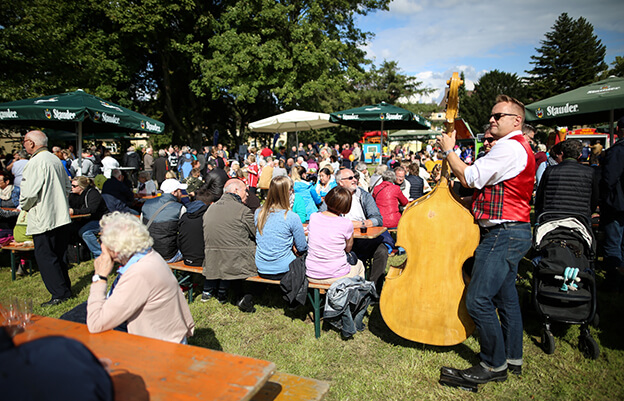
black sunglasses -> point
(488, 140)
(498, 116)
(347, 178)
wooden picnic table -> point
(371, 232)
(73, 216)
(79, 216)
(168, 370)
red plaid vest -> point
(508, 200)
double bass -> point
(424, 300)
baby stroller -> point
(564, 284)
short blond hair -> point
(515, 103)
(125, 234)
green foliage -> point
(386, 84)
(197, 66)
(618, 67)
(477, 107)
(461, 91)
(571, 56)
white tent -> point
(294, 120)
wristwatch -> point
(97, 277)
(446, 152)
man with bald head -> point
(230, 247)
(364, 213)
(503, 180)
(44, 191)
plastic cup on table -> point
(25, 308)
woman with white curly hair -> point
(144, 294)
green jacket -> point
(45, 187)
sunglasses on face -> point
(485, 140)
(498, 116)
(348, 178)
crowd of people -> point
(241, 215)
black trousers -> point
(373, 248)
(51, 256)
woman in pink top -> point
(330, 239)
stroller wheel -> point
(589, 347)
(548, 342)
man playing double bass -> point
(504, 182)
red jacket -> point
(388, 196)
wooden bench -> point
(314, 290)
(287, 387)
(15, 248)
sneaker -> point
(206, 296)
(222, 297)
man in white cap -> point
(161, 216)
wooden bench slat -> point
(14, 250)
(315, 297)
(287, 387)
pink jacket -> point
(388, 196)
(148, 297)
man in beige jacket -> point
(44, 190)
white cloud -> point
(428, 34)
(432, 38)
(437, 81)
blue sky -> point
(432, 38)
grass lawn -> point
(377, 364)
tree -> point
(386, 84)
(571, 56)
(197, 66)
(477, 107)
(618, 67)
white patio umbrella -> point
(294, 120)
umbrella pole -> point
(79, 147)
(381, 142)
(611, 118)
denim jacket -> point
(346, 303)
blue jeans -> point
(88, 233)
(613, 223)
(492, 287)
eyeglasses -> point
(488, 140)
(347, 178)
(498, 116)
(74, 186)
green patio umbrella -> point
(594, 103)
(379, 116)
(77, 111)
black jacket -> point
(567, 187)
(191, 233)
(159, 169)
(611, 183)
(295, 283)
(416, 186)
(215, 180)
(88, 202)
(132, 159)
(118, 190)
